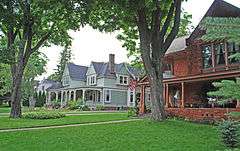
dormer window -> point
(123, 80)
(91, 80)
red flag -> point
(132, 84)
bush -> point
(84, 108)
(100, 107)
(132, 112)
(229, 133)
(56, 104)
(43, 115)
(73, 105)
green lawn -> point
(6, 122)
(4, 110)
(141, 135)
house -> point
(46, 84)
(101, 83)
(190, 67)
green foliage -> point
(73, 105)
(226, 90)
(100, 107)
(229, 133)
(43, 115)
(132, 112)
(65, 57)
(56, 104)
(221, 28)
(40, 99)
(84, 108)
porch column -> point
(65, 96)
(74, 95)
(70, 95)
(56, 95)
(167, 96)
(102, 96)
(183, 91)
(49, 97)
(61, 98)
(238, 104)
(83, 94)
(142, 98)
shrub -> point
(73, 105)
(229, 133)
(132, 112)
(84, 108)
(56, 104)
(100, 107)
(43, 115)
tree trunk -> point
(16, 92)
(158, 112)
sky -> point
(91, 45)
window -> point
(149, 97)
(91, 80)
(123, 80)
(219, 54)
(107, 96)
(233, 49)
(207, 56)
(131, 97)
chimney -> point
(111, 63)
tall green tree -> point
(155, 24)
(133, 47)
(227, 90)
(65, 57)
(28, 25)
(34, 68)
(222, 28)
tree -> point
(155, 24)
(35, 67)
(222, 28)
(133, 52)
(28, 25)
(227, 90)
(65, 57)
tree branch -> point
(174, 31)
(156, 19)
(167, 22)
(43, 39)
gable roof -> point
(178, 44)
(77, 72)
(219, 8)
(102, 69)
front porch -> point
(91, 97)
(187, 98)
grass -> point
(6, 122)
(141, 135)
(4, 109)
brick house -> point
(191, 65)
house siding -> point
(118, 98)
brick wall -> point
(201, 113)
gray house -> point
(107, 84)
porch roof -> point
(195, 78)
